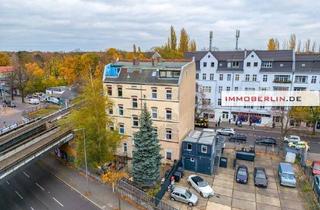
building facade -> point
(166, 88)
(218, 71)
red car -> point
(315, 168)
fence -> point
(127, 189)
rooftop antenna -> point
(210, 41)
(237, 38)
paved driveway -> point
(232, 196)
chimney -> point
(237, 38)
(210, 40)
(245, 53)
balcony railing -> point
(281, 81)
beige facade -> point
(171, 105)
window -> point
(119, 91)
(254, 77)
(120, 108)
(168, 114)
(266, 64)
(247, 77)
(301, 79)
(255, 64)
(134, 102)
(204, 76)
(206, 89)
(219, 101)
(236, 88)
(121, 128)
(189, 147)
(248, 64)
(168, 155)
(109, 90)
(168, 133)
(169, 94)
(204, 149)
(206, 101)
(228, 88)
(204, 64)
(220, 89)
(265, 78)
(111, 127)
(235, 64)
(110, 110)
(197, 75)
(154, 112)
(154, 93)
(313, 79)
(212, 64)
(211, 76)
(135, 121)
(125, 147)
(282, 78)
(237, 77)
(220, 77)
(228, 77)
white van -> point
(33, 101)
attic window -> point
(208, 56)
(252, 56)
(303, 65)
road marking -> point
(27, 175)
(42, 188)
(8, 182)
(57, 201)
(18, 194)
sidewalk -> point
(100, 194)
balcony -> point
(282, 81)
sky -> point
(95, 25)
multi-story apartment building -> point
(167, 89)
(218, 71)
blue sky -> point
(65, 25)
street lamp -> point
(85, 155)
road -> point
(36, 188)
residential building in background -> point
(250, 70)
(167, 89)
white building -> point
(252, 70)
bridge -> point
(27, 143)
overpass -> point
(21, 146)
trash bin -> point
(223, 162)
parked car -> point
(316, 185)
(299, 145)
(291, 138)
(260, 177)
(183, 195)
(238, 137)
(315, 168)
(266, 141)
(242, 174)
(226, 131)
(286, 175)
(53, 100)
(246, 153)
(200, 185)
(33, 101)
(10, 103)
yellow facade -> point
(181, 106)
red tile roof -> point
(6, 69)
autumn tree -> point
(146, 155)
(193, 46)
(112, 177)
(36, 78)
(292, 42)
(184, 41)
(112, 55)
(307, 114)
(173, 39)
(307, 46)
(272, 45)
(4, 59)
(90, 115)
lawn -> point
(44, 111)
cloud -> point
(56, 25)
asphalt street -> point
(35, 188)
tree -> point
(314, 45)
(90, 115)
(307, 46)
(36, 79)
(112, 177)
(173, 39)
(292, 42)
(272, 44)
(112, 55)
(284, 45)
(307, 114)
(193, 46)
(299, 46)
(146, 155)
(134, 49)
(4, 59)
(202, 104)
(184, 41)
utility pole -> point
(210, 40)
(237, 38)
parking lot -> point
(231, 195)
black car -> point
(266, 141)
(260, 177)
(238, 137)
(242, 174)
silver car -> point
(183, 195)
